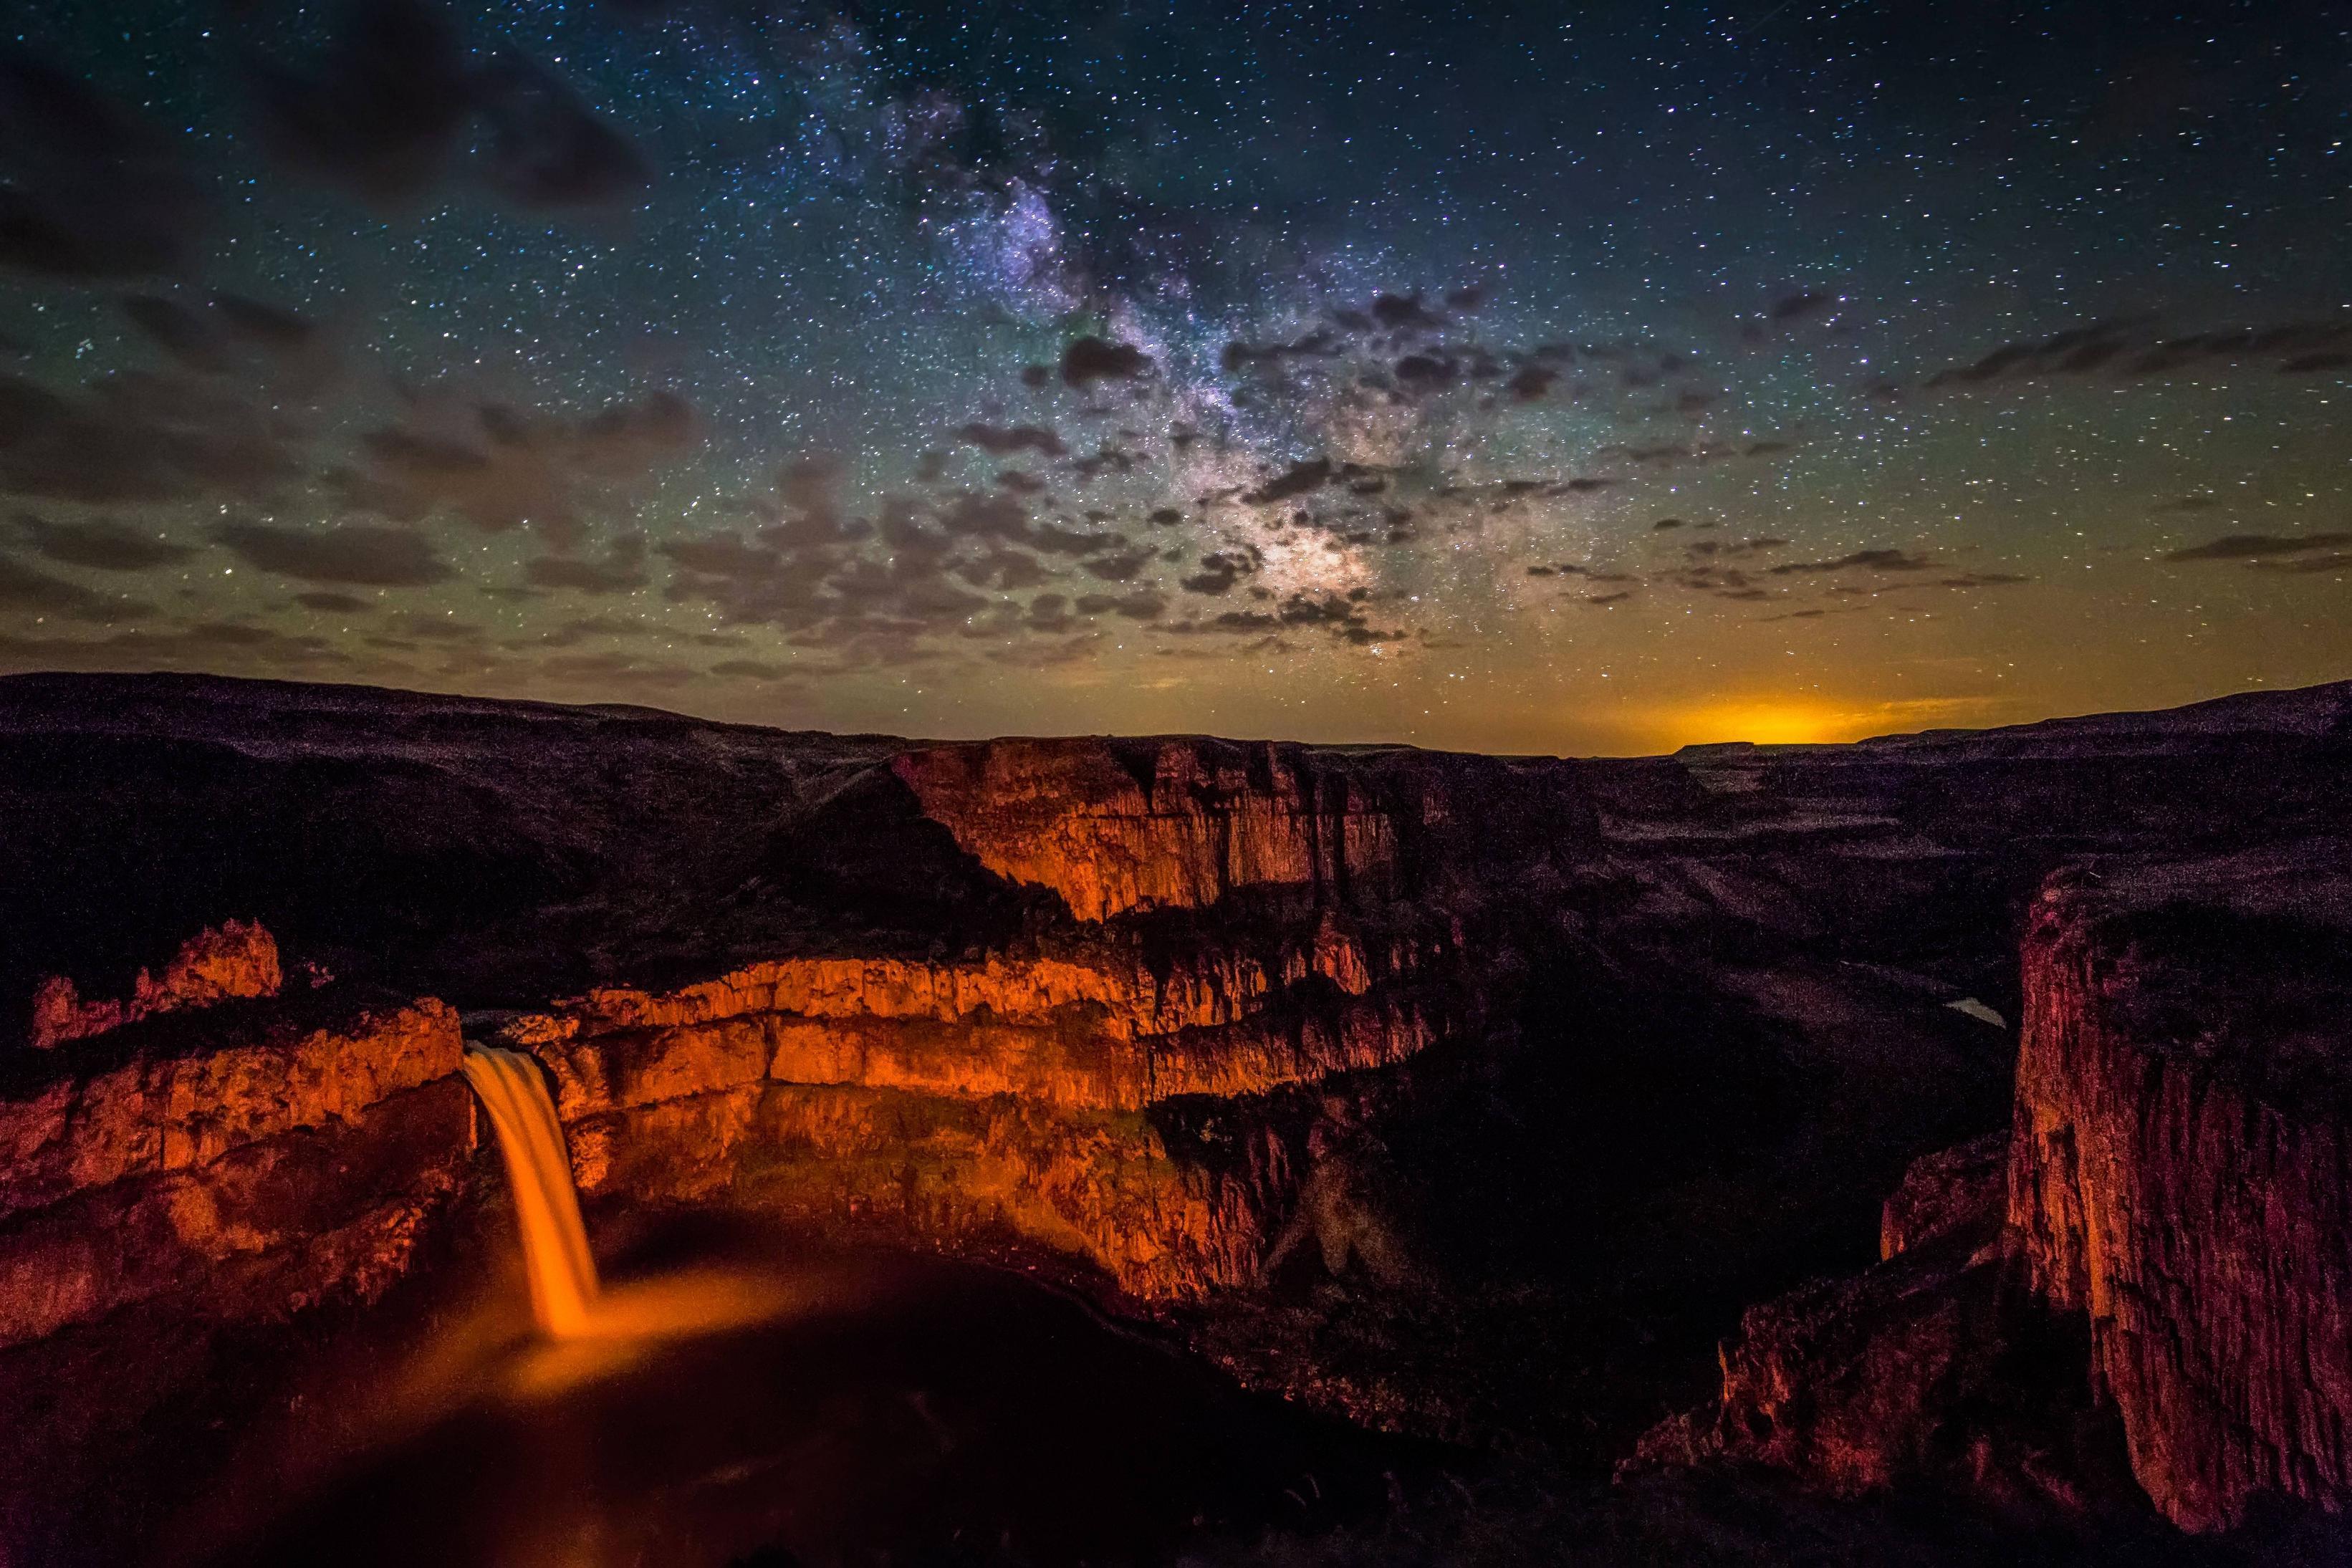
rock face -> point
(1114, 826)
(238, 959)
(2179, 1171)
(1016, 1088)
(257, 1156)
(1958, 1191)
(2174, 1182)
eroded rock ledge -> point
(257, 1156)
(2170, 1249)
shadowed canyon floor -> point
(1421, 1122)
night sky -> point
(1529, 378)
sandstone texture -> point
(2179, 1170)
(1116, 825)
(238, 959)
(258, 1155)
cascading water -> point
(554, 1244)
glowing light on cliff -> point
(554, 1243)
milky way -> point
(1511, 377)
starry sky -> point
(1536, 378)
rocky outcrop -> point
(236, 958)
(2169, 1218)
(163, 1099)
(1855, 1383)
(1113, 826)
(253, 1158)
(1010, 1091)
(2180, 1171)
(1962, 1190)
(1934, 1367)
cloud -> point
(622, 571)
(100, 545)
(332, 603)
(386, 109)
(547, 148)
(499, 467)
(752, 670)
(139, 437)
(1091, 360)
(1220, 569)
(1298, 479)
(1859, 560)
(2260, 547)
(362, 554)
(25, 589)
(2126, 347)
(1002, 441)
(88, 190)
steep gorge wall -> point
(956, 1096)
(2161, 1243)
(1170, 824)
(254, 1158)
(2179, 1174)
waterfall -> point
(554, 1244)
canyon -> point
(1954, 1116)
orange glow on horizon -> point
(1808, 721)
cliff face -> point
(256, 1157)
(238, 959)
(2174, 1182)
(1112, 826)
(1012, 1089)
(2179, 1170)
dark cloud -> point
(1797, 306)
(1982, 580)
(29, 591)
(1220, 569)
(1426, 372)
(88, 190)
(622, 571)
(332, 603)
(364, 554)
(751, 670)
(1405, 313)
(2128, 347)
(1002, 441)
(1532, 382)
(1123, 567)
(1241, 356)
(547, 148)
(499, 467)
(139, 437)
(1006, 570)
(1091, 360)
(1298, 479)
(100, 544)
(2260, 547)
(975, 516)
(382, 110)
(1859, 560)
(386, 110)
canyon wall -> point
(2179, 1167)
(253, 1157)
(1112, 826)
(1018, 1087)
(2165, 1232)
